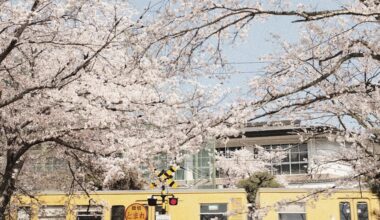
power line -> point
(241, 72)
(247, 62)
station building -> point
(300, 168)
(203, 189)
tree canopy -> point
(329, 77)
(255, 181)
(98, 81)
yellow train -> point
(312, 204)
(187, 204)
(132, 205)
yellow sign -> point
(165, 176)
(135, 212)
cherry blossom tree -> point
(91, 82)
(329, 77)
(241, 164)
(96, 81)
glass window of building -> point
(226, 151)
(89, 212)
(54, 164)
(51, 164)
(203, 162)
(52, 213)
(211, 211)
(295, 161)
(163, 162)
(180, 173)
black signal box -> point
(152, 202)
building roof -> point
(279, 128)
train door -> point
(354, 209)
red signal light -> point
(173, 201)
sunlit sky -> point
(245, 55)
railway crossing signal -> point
(165, 178)
(152, 201)
(173, 201)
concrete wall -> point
(324, 158)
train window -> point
(23, 213)
(52, 213)
(89, 212)
(292, 211)
(214, 211)
(345, 211)
(362, 210)
(292, 216)
(117, 212)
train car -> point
(223, 204)
(312, 204)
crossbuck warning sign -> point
(165, 177)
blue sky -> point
(245, 55)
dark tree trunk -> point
(8, 184)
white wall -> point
(324, 158)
